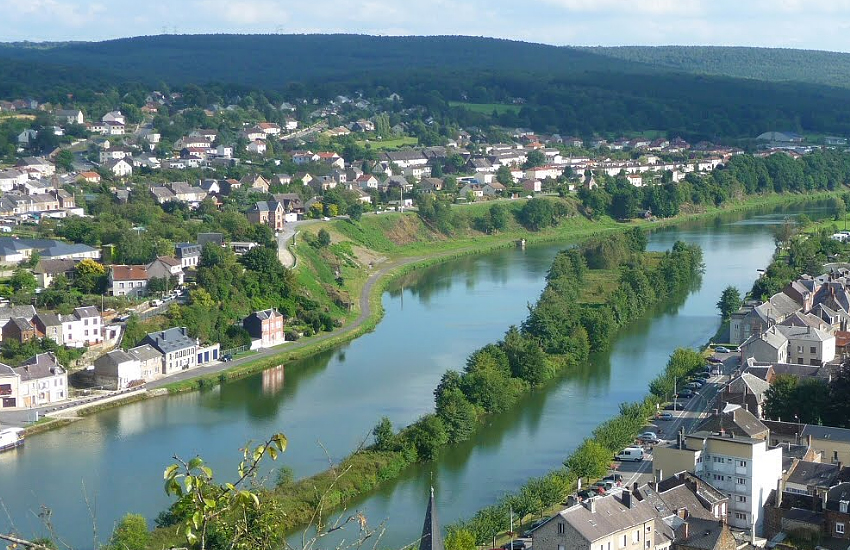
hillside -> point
(272, 60)
(770, 64)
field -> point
(486, 108)
(391, 143)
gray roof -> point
(86, 311)
(733, 419)
(49, 319)
(42, 365)
(815, 474)
(771, 337)
(266, 314)
(754, 384)
(611, 516)
(826, 432)
(836, 495)
(145, 352)
(7, 312)
(54, 266)
(6, 370)
(803, 333)
(170, 340)
(702, 533)
(114, 358)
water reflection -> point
(273, 381)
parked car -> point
(685, 394)
(226, 357)
(514, 545)
(693, 385)
(648, 437)
(586, 494)
(602, 486)
(704, 375)
(633, 454)
(715, 360)
(665, 416)
(123, 318)
(674, 407)
(722, 349)
(155, 303)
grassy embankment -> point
(380, 145)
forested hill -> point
(771, 64)
(273, 60)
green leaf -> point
(170, 471)
(209, 503)
(207, 471)
(280, 440)
(195, 462)
(273, 453)
(197, 517)
(189, 481)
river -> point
(111, 463)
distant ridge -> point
(770, 64)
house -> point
(532, 185)
(128, 280)
(177, 349)
(46, 271)
(771, 346)
(119, 168)
(748, 391)
(471, 190)
(807, 345)
(114, 116)
(27, 136)
(833, 444)
(492, 189)
(41, 380)
(837, 512)
(114, 128)
(266, 328)
(38, 166)
(810, 478)
(83, 327)
(166, 267)
(150, 361)
(613, 521)
(11, 178)
(189, 254)
(744, 468)
(781, 137)
(9, 312)
(271, 213)
(405, 158)
(18, 329)
(69, 116)
(331, 158)
(255, 182)
(269, 128)
(257, 146)
(116, 370)
(304, 157)
(49, 325)
(734, 419)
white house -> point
(119, 167)
(116, 370)
(114, 116)
(84, 327)
(40, 380)
(257, 146)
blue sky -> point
(810, 24)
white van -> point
(634, 454)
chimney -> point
(590, 504)
(809, 440)
(635, 487)
(686, 530)
(778, 493)
(659, 475)
(627, 498)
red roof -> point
(129, 273)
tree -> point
(23, 281)
(779, 398)
(131, 533)
(504, 176)
(427, 435)
(839, 208)
(64, 159)
(231, 510)
(589, 460)
(385, 438)
(535, 158)
(355, 211)
(323, 238)
(90, 277)
(459, 539)
(729, 302)
(457, 413)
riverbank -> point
(404, 259)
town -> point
(154, 238)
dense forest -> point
(550, 89)
(772, 64)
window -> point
(799, 349)
(636, 536)
(742, 463)
(813, 349)
(741, 481)
(623, 542)
(742, 498)
(562, 528)
(842, 506)
(649, 528)
(741, 516)
(839, 528)
(718, 477)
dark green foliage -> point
(131, 533)
(323, 239)
(385, 437)
(729, 302)
(681, 364)
(457, 413)
(537, 214)
(427, 435)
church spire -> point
(432, 537)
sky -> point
(805, 24)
